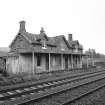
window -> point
(76, 50)
(38, 60)
(43, 44)
(62, 47)
(53, 61)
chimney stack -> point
(70, 37)
(42, 30)
(22, 26)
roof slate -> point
(57, 42)
(31, 37)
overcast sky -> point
(85, 19)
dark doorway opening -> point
(66, 62)
(47, 62)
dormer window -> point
(62, 47)
(43, 44)
(38, 40)
(76, 50)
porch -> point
(46, 62)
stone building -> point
(34, 53)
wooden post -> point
(33, 61)
(18, 63)
(81, 61)
(49, 62)
(92, 60)
(62, 61)
(72, 61)
(79, 57)
(68, 62)
(87, 62)
(77, 61)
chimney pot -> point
(70, 37)
(42, 30)
(22, 26)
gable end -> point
(20, 42)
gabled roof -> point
(30, 37)
(35, 38)
(57, 41)
(74, 43)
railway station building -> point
(35, 53)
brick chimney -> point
(70, 38)
(42, 30)
(22, 26)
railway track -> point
(69, 97)
(33, 93)
(85, 90)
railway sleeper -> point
(56, 90)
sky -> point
(85, 19)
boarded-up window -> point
(53, 61)
(57, 60)
(38, 60)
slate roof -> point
(51, 41)
(34, 38)
(55, 42)
(76, 42)
(31, 37)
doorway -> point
(66, 62)
(47, 62)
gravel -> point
(96, 98)
(91, 99)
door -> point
(47, 62)
(66, 62)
